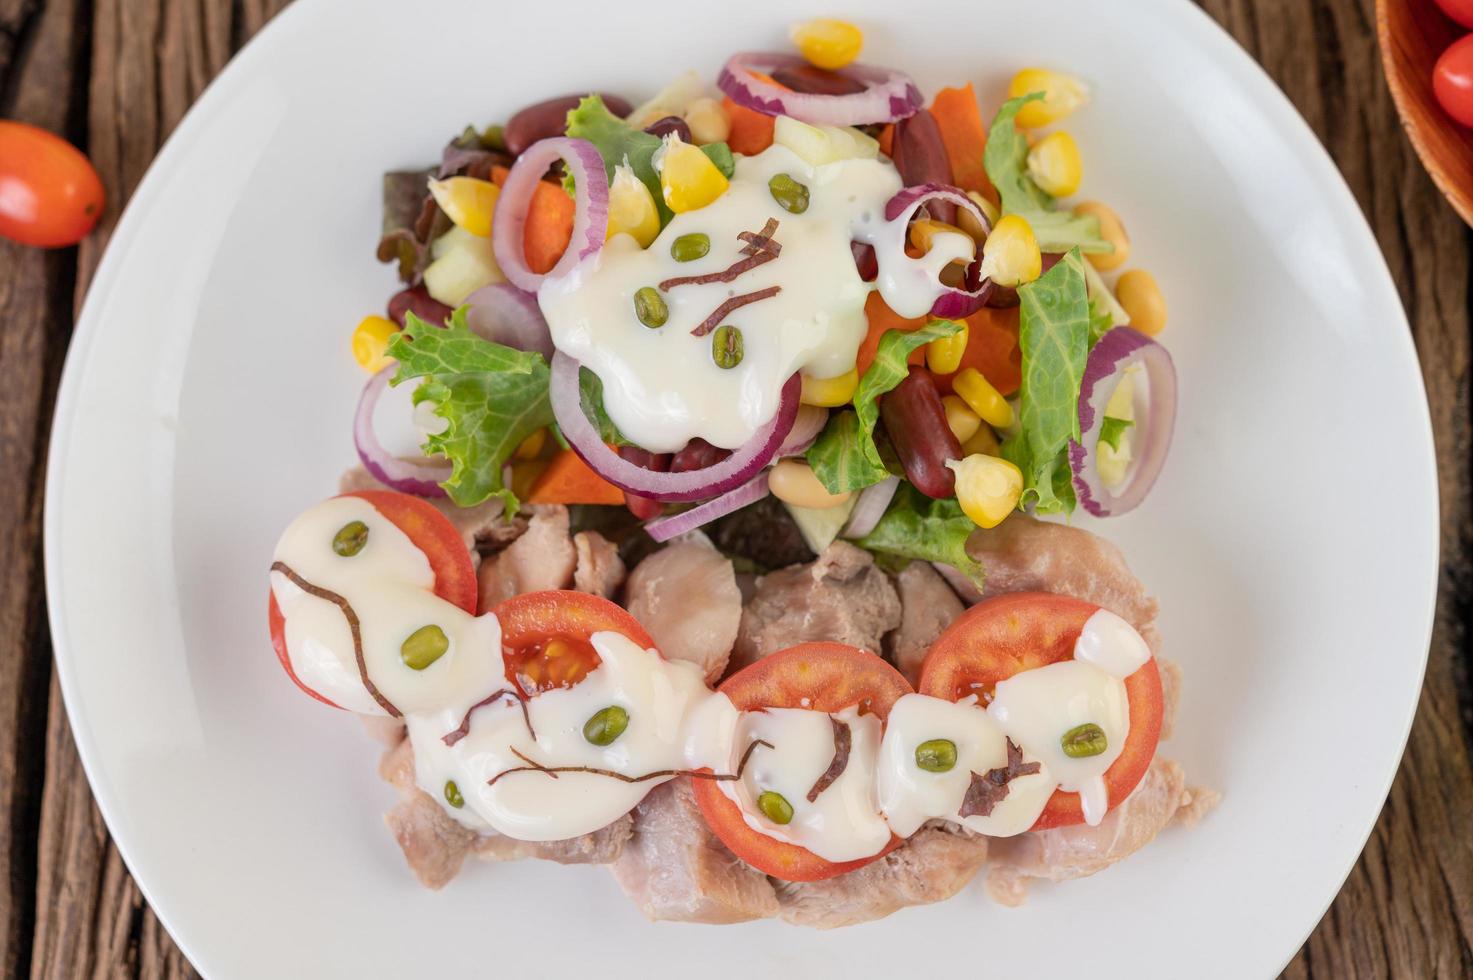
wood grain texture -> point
(115, 76)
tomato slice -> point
(432, 533)
(1000, 637)
(545, 637)
(821, 677)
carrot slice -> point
(751, 131)
(992, 348)
(549, 226)
(886, 139)
(881, 319)
(569, 480)
(965, 137)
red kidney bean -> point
(697, 455)
(816, 81)
(644, 508)
(915, 420)
(418, 302)
(920, 156)
(670, 124)
(1002, 297)
(550, 118)
(865, 261)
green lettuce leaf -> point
(492, 397)
(1053, 335)
(1005, 158)
(591, 395)
(828, 456)
(915, 526)
(1111, 429)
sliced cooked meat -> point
(600, 847)
(484, 526)
(927, 606)
(686, 595)
(935, 864)
(1170, 694)
(1074, 852)
(384, 730)
(597, 566)
(675, 869)
(1196, 801)
(542, 558)
(841, 597)
(763, 533)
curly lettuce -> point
(917, 527)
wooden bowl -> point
(1413, 34)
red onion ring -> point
(966, 590)
(716, 479)
(1117, 350)
(406, 476)
(504, 314)
(806, 427)
(590, 216)
(888, 95)
(870, 507)
(664, 528)
(954, 303)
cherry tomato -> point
(821, 677)
(432, 533)
(545, 637)
(1007, 635)
(1459, 10)
(1452, 80)
(49, 194)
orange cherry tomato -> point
(432, 533)
(50, 195)
(1452, 80)
(545, 637)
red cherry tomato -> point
(820, 677)
(1452, 80)
(432, 533)
(545, 637)
(1459, 10)
(49, 194)
(1004, 636)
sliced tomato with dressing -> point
(826, 677)
(428, 530)
(1000, 637)
(545, 637)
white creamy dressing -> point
(660, 385)
(674, 721)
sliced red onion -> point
(806, 427)
(504, 314)
(966, 590)
(591, 213)
(719, 478)
(421, 478)
(665, 528)
(870, 507)
(888, 95)
(955, 302)
(1117, 350)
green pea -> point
(424, 646)
(494, 138)
(605, 727)
(1083, 741)
(688, 248)
(789, 194)
(726, 347)
(350, 539)
(937, 755)
(650, 308)
(775, 808)
(452, 794)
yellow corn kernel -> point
(793, 482)
(983, 441)
(531, 446)
(1010, 256)
(828, 43)
(830, 392)
(467, 201)
(968, 223)
(632, 208)
(944, 355)
(987, 487)
(688, 178)
(1054, 165)
(984, 399)
(1142, 299)
(708, 122)
(370, 338)
(1062, 94)
(1112, 230)
(923, 236)
(960, 418)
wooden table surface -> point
(114, 76)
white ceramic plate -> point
(208, 394)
